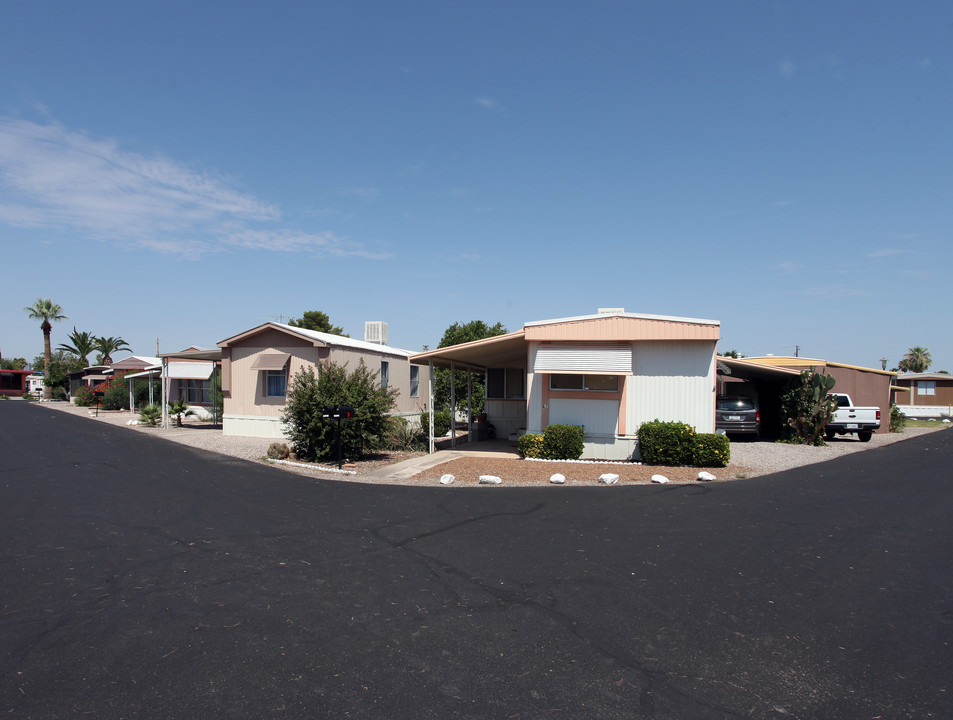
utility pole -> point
(797, 351)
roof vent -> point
(609, 311)
(375, 331)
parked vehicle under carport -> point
(737, 415)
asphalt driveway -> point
(143, 579)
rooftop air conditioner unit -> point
(609, 311)
(375, 331)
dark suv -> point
(737, 415)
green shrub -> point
(563, 442)
(150, 415)
(530, 445)
(116, 397)
(402, 436)
(315, 437)
(441, 422)
(178, 410)
(58, 393)
(898, 421)
(666, 443)
(278, 451)
(711, 450)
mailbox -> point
(339, 412)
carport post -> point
(431, 447)
(132, 399)
(165, 393)
(453, 405)
(469, 404)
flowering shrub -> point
(666, 443)
(530, 445)
(84, 396)
(711, 450)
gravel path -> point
(748, 459)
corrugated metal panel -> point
(575, 359)
(624, 328)
(190, 371)
(672, 383)
(598, 417)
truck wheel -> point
(865, 435)
(829, 434)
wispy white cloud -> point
(489, 104)
(57, 178)
(783, 203)
(885, 252)
(788, 267)
(787, 68)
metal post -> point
(453, 405)
(469, 405)
(164, 379)
(432, 447)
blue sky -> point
(185, 171)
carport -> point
(763, 383)
(500, 351)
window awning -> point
(271, 361)
(190, 370)
(580, 359)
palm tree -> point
(83, 345)
(46, 310)
(106, 346)
(916, 360)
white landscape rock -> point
(557, 479)
(609, 478)
(447, 479)
(490, 480)
(706, 476)
(659, 479)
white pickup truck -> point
(849, 419)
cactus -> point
(808, 407)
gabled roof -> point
(319, 339)
(606, 327)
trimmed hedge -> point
(530, 445)
(711, 450)
(558, 442)
(675, 443)
(563, 442)
(666, 443)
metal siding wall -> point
(599, 417)
(865, 389)
(672, 382)
(534, 393)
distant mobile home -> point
(259, 364)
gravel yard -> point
(748, 459)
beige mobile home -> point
(259, 364)
(608, 372)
